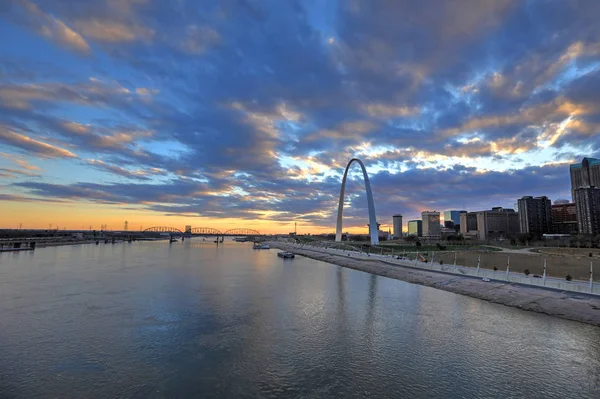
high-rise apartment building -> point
(535, 215)
(415, 228)
(497, 222)
(468, 223)
(587, 203)
(397, 223)
(585, 174)
(431, 224)
(564, 217)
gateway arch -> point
(372, 219)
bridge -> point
(202, 231)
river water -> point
(152, 319)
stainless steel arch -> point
(372, 219)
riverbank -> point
(568, 305)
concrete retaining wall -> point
(500, 275)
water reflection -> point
(197, 319)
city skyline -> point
(220, 115)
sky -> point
(244, 113)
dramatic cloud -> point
(34, 146)
(251, 110)
(52, 28)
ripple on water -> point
(149, 320)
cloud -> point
(198, 39)
(10, 172)
(53, 29)
(138, 174)
(21, 198)
(33, 146)
(252, 109)
(93, 92)
(113, 31)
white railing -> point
(587, 287)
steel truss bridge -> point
(203, 231)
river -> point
(193, 319)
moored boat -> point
(17, 246)
(258, 245)
(286, 254)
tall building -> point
(587, 203)
(535, 215)
(397, 222)
(497, 222)
(415, 228)
(564, 217)
(468, 223)
(585, 174)
(452, 218)
(431, 224)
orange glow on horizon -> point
(76, 216)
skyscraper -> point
(587, 203)
(468, 223)
(497, 223)
(564, 217)
(452, 218)
(415, 228)
(585, 174)
(431, 223)
(397, 222)
(535, 215)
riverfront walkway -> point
(566, 304)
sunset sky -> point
(244, 113)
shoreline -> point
(574, 306)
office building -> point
(397, 223)
(535, 215)
(564, 217)
(587, 204)
(431, 224)
(585, 174)
(452, 218)
(497, 222)
(415, 228)
(468, 223)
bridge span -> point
(203, 231)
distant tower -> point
(397, 222)
(126, 225)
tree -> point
(525, 237)
(418, 243)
